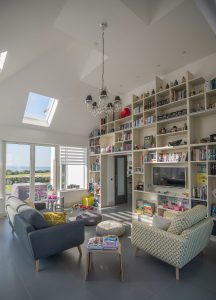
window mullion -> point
(32, 172)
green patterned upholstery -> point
(176, 250)
(187, 219)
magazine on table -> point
(103, 243)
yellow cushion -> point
(55, 218)
(88, 200)
(29, 202)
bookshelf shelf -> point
(176, 103)
(174, 119)
(186, 112)
(173, 133)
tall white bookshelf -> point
(184, 111)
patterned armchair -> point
(187, 236)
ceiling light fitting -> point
(103, 106)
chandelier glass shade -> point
(104, 106)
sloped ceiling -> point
(54, 48)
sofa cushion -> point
(33, 217)
(160, 222)
(55, 218)
(15, 203)
(187, 219)
(23, 208)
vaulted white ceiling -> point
(54, 48)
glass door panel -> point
(45, 170)
(17, 181)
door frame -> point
(124, 197)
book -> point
(95, 243)
(110, 242)
(103, 243)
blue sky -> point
(18, 155)
(37, 106)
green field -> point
(23, 177)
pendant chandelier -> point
(103, 106)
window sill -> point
(72, 190)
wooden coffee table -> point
(90, 256)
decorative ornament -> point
(175, 82)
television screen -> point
(168, 176)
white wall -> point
(205, 67)
(43, 136)
(71, 197)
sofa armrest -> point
(159, 243)
(52, 240)
(40, 205)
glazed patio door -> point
(29, 170)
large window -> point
(73, 168)
(18, 166)
(30, 169)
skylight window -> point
(2, 59)
(39, 110)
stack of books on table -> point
(110, 242)
(103, 243)
(95, 243)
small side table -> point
(114, 251)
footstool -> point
(90, 218)
(110, 227)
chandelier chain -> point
(104, 106)
(103, 57)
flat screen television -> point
(169, 176)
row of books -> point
(210, 84)
(103, 243)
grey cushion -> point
(160, 222)
(110, 227)
(34, 218)
(90, 218)
(24, 208)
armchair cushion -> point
(34, 218)
(160, 222)
(187, 219)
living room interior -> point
(108, 149)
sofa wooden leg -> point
(204, 251)
(80, 250)
(136, 251)
(37, 265)
(177, 273)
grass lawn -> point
(22, 175)
(8, 187)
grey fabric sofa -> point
(40, 239)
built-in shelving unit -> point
(168, 126)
